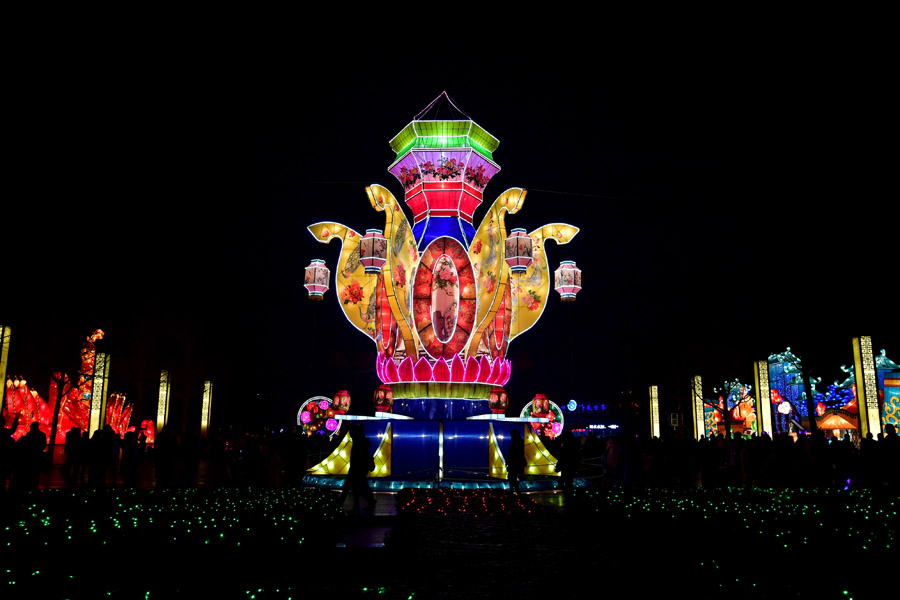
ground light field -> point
(258, 543)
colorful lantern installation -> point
(519, 251)
(543, 408)
(568, 280)
(316, 279)
(384, 399)
(499, 401)
(373, 251)
(316, 416)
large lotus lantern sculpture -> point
(442, 307)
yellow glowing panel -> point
(4, 353)
(764, 396)
(162, 407)
(866, 386)
(697, 393)
(338, 462)
(538, 460)
(532, 289)
(654, 411)
(496, 462)
(98, 391)
(354, 288)
(207, 404)
(401, 260)
(383, 455)
(488, 263)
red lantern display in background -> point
(373, 250)
(316, 279)
(341, 402)
(568, 280)
(820, 409)
(519, 251)
(498, 400)
(384, 399)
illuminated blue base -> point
(392, 484)
(436, 409)
(430, 229)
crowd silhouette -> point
(280, 459)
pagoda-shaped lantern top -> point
(316, 279)
(568, 280)
(373, 251)
(444, 161)
(518, 251)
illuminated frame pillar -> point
(4, 356)
(866, 386)
(162, 407)
(98, 391)
(654, 411)
(207, 403)
(764, 400)
(697, 405)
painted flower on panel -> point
(400, 274)
(476, 247)
(352, 293)
(531, 300)
(409, 177)
(488, 282)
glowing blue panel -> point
(415, 449)
(466, 449)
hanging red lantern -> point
(568, 280)
(820, 409)
(316, 279)
(540, 405)
(384, 399)
(373, 250)
(518, 251)
(498, 400)
(341, 402)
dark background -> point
(732, 201)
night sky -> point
(730, 204)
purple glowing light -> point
(324, 404)
(304, 417)
(331, 424)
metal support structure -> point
(207, 405)
(697, 406)
(98, 391)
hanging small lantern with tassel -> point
(568, 280)
(316, 279)
(518, 251)
(373, 250)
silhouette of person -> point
(515, 460)
(361, 462)
(34, 443)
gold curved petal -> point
(402, 258)
(488, 263)
(355, 289)
(531, 289)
